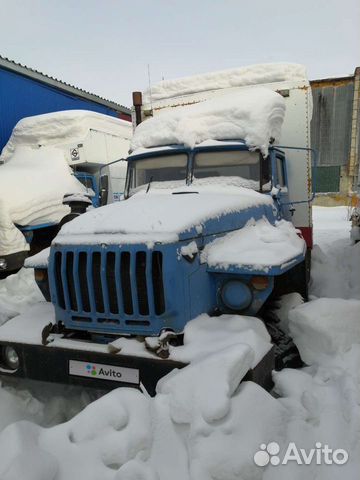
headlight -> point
(11, 358)
(3, 264)
(236, 295)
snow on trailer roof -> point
(254, 115)
(235, 77)
(62, 127)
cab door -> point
(281, 184)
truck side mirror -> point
(104, 190)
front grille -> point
(104, 283)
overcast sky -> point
(105, 46)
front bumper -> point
(61, 365)
(12, 263)
(53, 364)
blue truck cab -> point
(123, 274)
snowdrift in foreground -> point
(126, 435)
(236, 77)
(202, 425)
(254, 115)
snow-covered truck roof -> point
(224, 79)
(255, 116)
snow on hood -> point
(253, 115)
(63, 127)
(158, 216)
(235, 77)
(259, 244)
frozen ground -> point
(201, 425)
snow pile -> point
(325, 327)
(236, 77)
(228, 181)
(335, 268)
(205, 334)
(39, 260)
(253, 115)
(126, 435)
(44, 404)
(322, 400)
(59, 128)
(259, 245)
(17, 293)
(149, 218)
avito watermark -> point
(319, 455)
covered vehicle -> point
(46, 157)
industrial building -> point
(335, 135)
(25, 92)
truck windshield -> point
(165, 171)
(240, 167)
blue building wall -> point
(22, 96)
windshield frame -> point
(157, 153)
(235, 145)
(232, 147)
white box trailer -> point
(288, 80)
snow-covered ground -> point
(201, 425)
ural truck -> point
(48, 156)
(216, 220)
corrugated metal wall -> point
(22, 97)
(331, 122)
(331, 129)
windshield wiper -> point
(183, 193)
(148, 187)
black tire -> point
(286, 352)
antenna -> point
(149, 80)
